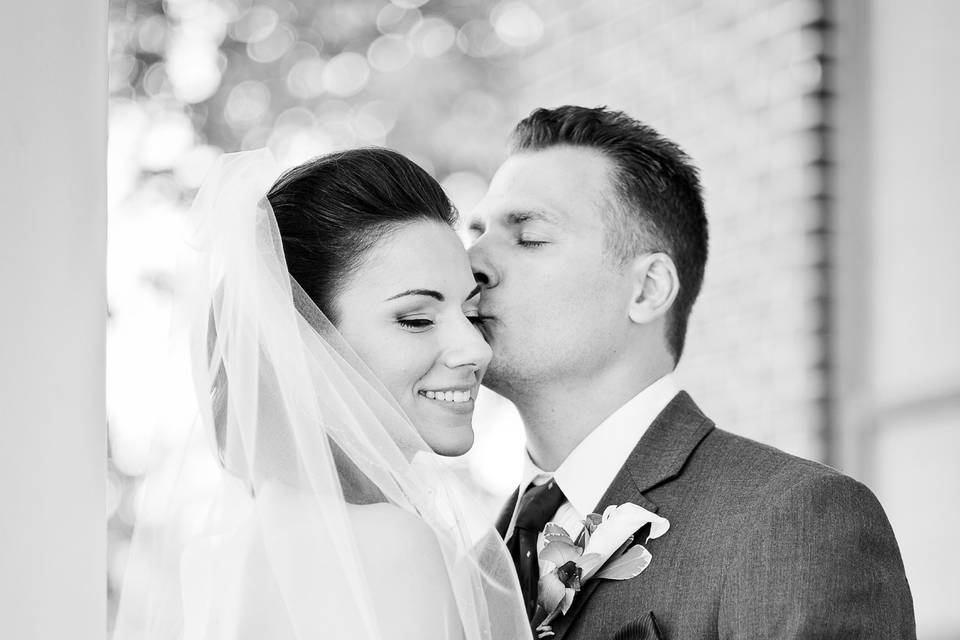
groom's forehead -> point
(554, 186)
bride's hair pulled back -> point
(332, 210)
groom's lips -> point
(483, 314)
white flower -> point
(564, 565)
(618, 524)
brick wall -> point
(739, 86)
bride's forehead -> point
(426, 252)
(419, 242)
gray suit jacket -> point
(761, 545)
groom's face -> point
(555, 304)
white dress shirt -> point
(591, 467)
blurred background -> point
(825, 132)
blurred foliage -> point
(431, 79)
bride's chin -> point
(449, 440)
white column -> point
(53, 94)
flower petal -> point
(589, 565)
(629, 565)
(559, 553)
(550, 592)
(546, 567)
(554, 532)
(621, 522)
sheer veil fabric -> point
(315, 466)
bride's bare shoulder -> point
(387, 530)
(406, 572)
(399, 555)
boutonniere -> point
(565, 566)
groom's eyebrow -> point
(418, 292)
(477, 226)
(527, 215)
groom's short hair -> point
(658, 201)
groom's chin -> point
(498, 378)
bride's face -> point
(409, 313)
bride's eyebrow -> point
(418, 292)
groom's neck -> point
(558, 417)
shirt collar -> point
(591, 467)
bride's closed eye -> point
(421, 324)
(415, 324)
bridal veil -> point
(298, 437)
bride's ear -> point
(655, 287)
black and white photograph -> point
(480, 320)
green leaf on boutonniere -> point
(592, 521)
(629, 565)
(590, 524)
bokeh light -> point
(432, 37)
(389, 52)
(274, 46)
(248, 104)
(516, 23)
(255, 24)
(346, 74)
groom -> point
(590, 246)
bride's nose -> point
(465, 347)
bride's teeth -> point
(449, 396)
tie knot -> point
(538, 505)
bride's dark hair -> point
(331, 210)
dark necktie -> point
(537, 507)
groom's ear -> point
(655, 287)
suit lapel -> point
(658, 457)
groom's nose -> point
(484, 271)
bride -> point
(335, 360)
